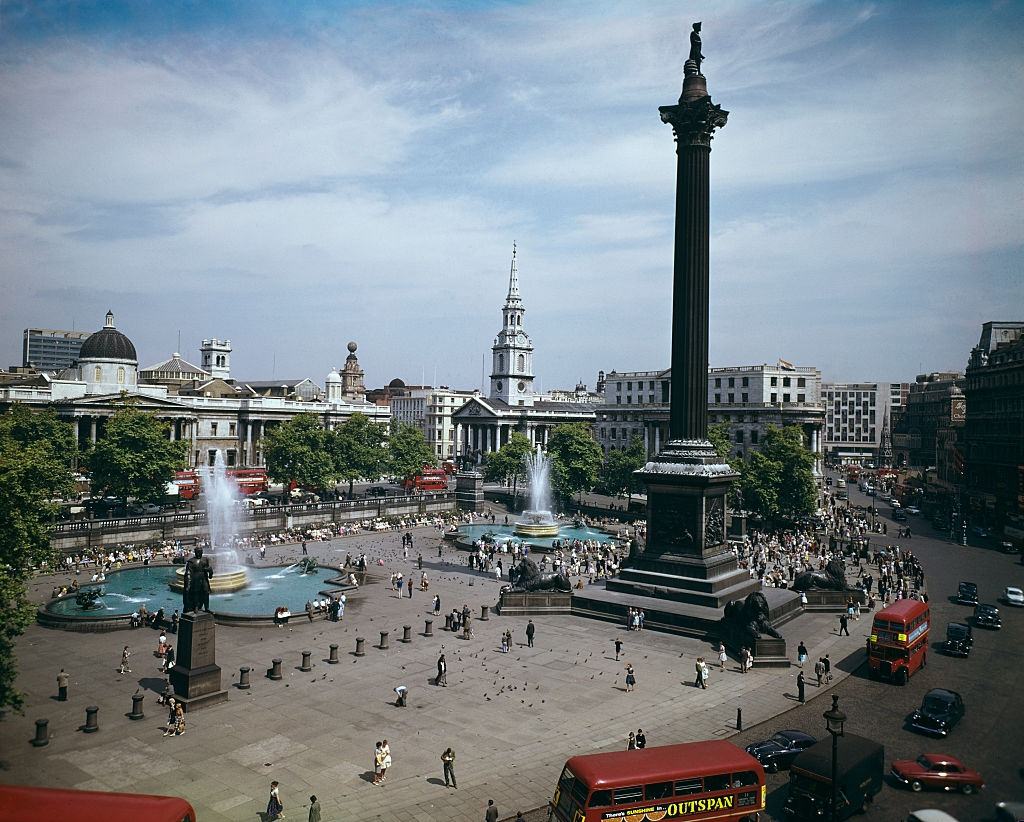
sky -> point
(295, 175)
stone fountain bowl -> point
(537, 524)
(225, 583)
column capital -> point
(694, 121)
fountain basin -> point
(536, 529)
(219, 584)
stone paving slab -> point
(512, 718)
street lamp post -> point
(834, 719)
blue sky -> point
(295, 175)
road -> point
(990, 735)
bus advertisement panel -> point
(898, 644)
(692, 781)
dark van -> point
(861, 768)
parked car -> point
(967, 593)
(959, 639)
(937, 771)
(144, 509)
(1008, 547)
(939, 713)
(376, 491)
(780, 751)
(987, 616)
(913, 510)
(1014, 597)
(980, 531)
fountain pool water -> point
(268, 589)
(509, 533)
(537, 520)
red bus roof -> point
(661, 764)
(902, 610)
(21, 802)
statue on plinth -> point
(195, 592)
(831, 578)
(695, 45)
(526, 577)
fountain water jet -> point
(537, 520)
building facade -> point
(926, 433)
(993, 433)
(857, 415)
(51, 349)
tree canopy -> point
(297, 451)
(618, 472)
(576, 458)
(358, 447)
(508, 463)
(408, 450)
(778, 480)
(36, 453)
(135, 457)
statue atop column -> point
(695, 44)
(196, 589)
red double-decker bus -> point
(249, 480)
(428, 479)
(21, 802)
(898, 645)
(692, 781)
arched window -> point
(120, 375)
(501, 363)
(522, 363)
(97, 374)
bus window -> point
(741, 780)
(659, 790)
(718, 782)
(600, 799)
(623, 796)
(685, 787)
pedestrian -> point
(630, 678)
(448, 760)
(641, 740)
(275, 808)
(801, 652)
(819, 670)
(530, 630)
(631, 742)
(519, 817)
(304, 551)
(492, 812)
(168, 660)
(386, 750)
(748, 661)
(844, 624)
(171, 715)
(62, 686)
(419, 561)
(409, 585)
(704, 672)
(698, 681)
(378, 761)
(828, 668)
(618, 649)
(437, 604)
(800, 686)
(722, 656)
(314, 809)
(124, 661)
(442, 672)
(179, 719)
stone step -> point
(740, 587)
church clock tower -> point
(512, 352)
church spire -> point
(513, 279)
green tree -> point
(576, 458)
(408, 450)
(297, 451)
(618, 472)
(778, 480)
(135, 457)
(36, 453)
(359, 450)
(718, 436)
(509, 463)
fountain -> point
(536, 520)
(222, 503)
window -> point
(650, 385)
(120, 375)
(732, 382)
(213, 429)
(97, 374)
(775, 380)
(231, 457)
(754, 436)
(775, 397)
(600, 799)
(501, 363)
(629, 386)
(659, 790)
(211, 457)
(231, 429)
(732, 398)
(718, 398)
(624, 796)
(785, 382)
(801, 398)
(745, 396)
(718, 782)
(801, 382)
(685, 787)
(741, 780)
(746, 381)
(718, 382)
(522, 362)
(785, 397)
(739, 435)
(615, 433)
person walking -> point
(531, 629)
(275, 809)
(844, 624)
(492, 812)
(168, 662)
(437, 605)
(304, 551)
(448, 760)
(442, 672)
(828, 668)
(419, 561)
(698, 666)
(722, 656)
(641, 740)
(801, 653)
(618, 649)
(819, 670)
(800, 686)
(314, 809)
(631, 742)
(62, 686)
(630, 678)
(378, 761)
(125, 654)
(386, 750)
(409, 585)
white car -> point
(1014, 596)
(913, 510)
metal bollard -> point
(485, 612)
(406, 633)
(42, 733)
(91, 723)
(448, 622)
(306, 665)
(333, 658)
(275, 672)
(137, 707)
(360, 641)
(428, 627)
(385, 636)
(739, 719)
(243, 678)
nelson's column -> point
(687, 572)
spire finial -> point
(109, 322)
(513, 277)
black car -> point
(780, 751)
(967, 593)
(376, 491)
(898, 515)
(939, 712)
(959, 639)
(987, 616)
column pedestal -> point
(196, 677)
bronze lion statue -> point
(526, 576)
